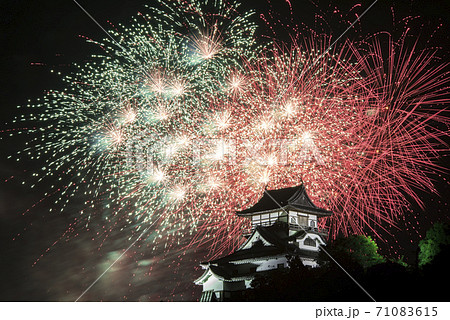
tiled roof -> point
(295, 197)
(280, 244)
(237, 266)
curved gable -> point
(255, 237)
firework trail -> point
(394, 112)
(148, 93)
(189, 120)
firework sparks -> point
(192, 121)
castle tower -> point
(284, 223)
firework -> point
(361, 124)
(119, 135)
(185, 119)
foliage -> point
(356, 250)
(437, 237)
(401, 262)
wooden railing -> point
(296, 227)
(308, 228)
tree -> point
(437, 237)
(356, 250)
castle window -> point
(309, 242)
(302, 220)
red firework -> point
(358, 125)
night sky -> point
(42, 258)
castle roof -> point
(293, 197)
(272, 241)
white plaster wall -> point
(271, 264)
(213, 284)
(309, 263)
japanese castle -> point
(284, 222)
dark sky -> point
(47, 33)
